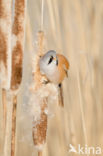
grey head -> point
(48, 63)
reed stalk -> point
(40, 128)
(5, 66)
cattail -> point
(41, 90)
(17, 44)
(5, 51)
(17, 60)
(40, 126)
(40, 121)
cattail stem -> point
(4, 108)
(40, 122)
(13, 125)
(7, 136)
(18, 30)
(40, 153)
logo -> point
(85, 150)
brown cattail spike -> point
(17, 60)
(18, 43)
(40, 102)
(40, 128)
(16, 65)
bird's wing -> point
(60, 95)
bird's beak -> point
(55, 58)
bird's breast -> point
(53, 75)
(56, 75)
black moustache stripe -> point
(51, 59)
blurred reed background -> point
(75, 29)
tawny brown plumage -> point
(55, 66)
(63, 66)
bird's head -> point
(48, 62)
(54, 66)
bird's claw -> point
(45, 81)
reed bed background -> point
(75, 30)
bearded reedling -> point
(55, 66)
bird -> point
(55, 67)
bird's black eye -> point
(50, 60)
